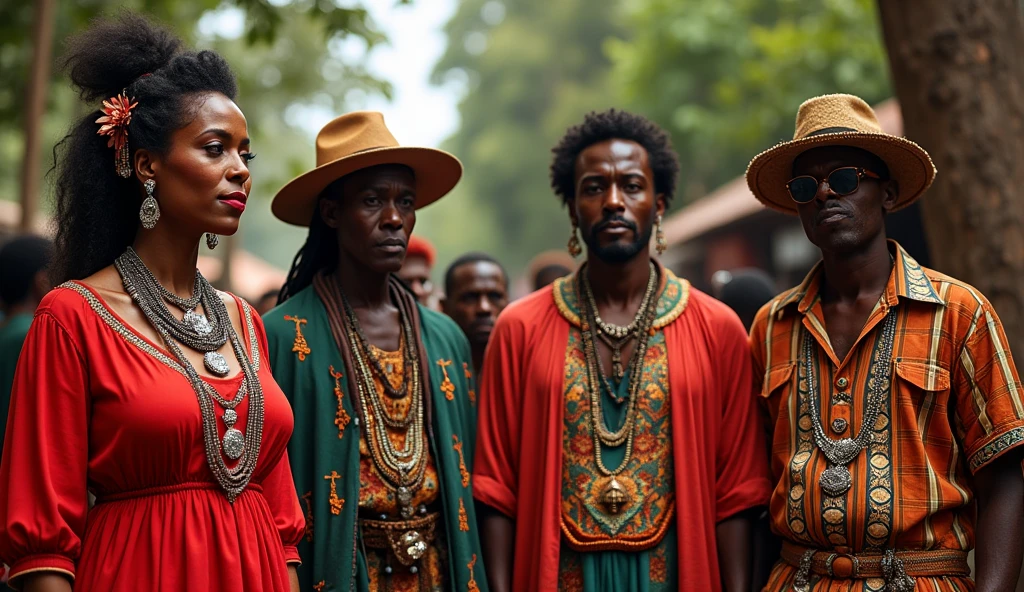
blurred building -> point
(730, 229)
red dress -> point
(97, 407)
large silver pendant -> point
(844, 451)
(835, 480)
(198, 322)
(233, 444)
(216, 363)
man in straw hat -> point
(895, 406)
(610, 400)
(384, 427)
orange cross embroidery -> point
(300, 346)
(337, 503)
(447, 386)
(469, 376)
(341, 418)
(472, 586)
(308, 498)
(462, 461)
(319, 585)
(463, 517)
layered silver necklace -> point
(200, 333)
(836, 479)
(195, 330)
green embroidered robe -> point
(331, 550)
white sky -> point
(419, 113)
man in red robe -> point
(617, 445)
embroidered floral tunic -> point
(954, 405)
(306, 362)
(627, 550)
(98, 408)
(710, 474)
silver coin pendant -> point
(198, 322)
(216, 363)
(233, 444)
(835, 480)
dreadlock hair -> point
(97, 213)
(320, 251)
(614, 124)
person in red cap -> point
(415, 272)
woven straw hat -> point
(838, 120)
(357, 141)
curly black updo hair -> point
(621, 125)
(97, 211)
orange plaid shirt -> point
(954, 404)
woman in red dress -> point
(138, 382)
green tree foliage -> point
(288, 57)
(727, 77)
(532, 68)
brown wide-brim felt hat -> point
(839, 120)
(356, 141)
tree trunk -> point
(958, 70)
(35, 108)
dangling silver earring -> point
(660, 244)
(212, 240)
(149, 213)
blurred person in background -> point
(896, 409)
(416, 269)
(138, 381)
(745, 291)
(383, 464)
(547, 267)
(24, 280)
(267, 301)
(610, 400)
(476, 288)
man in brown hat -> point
(896, 411)
(384, 423)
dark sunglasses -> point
(842, 181)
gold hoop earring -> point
(660, 244)
(574, 242)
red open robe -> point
(718, 444)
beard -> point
(618, 253)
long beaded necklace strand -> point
(614, 495)
(244, 449)
(616, 337)
(402, 469)
(836, 479)
(195, 330)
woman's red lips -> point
(235, 199)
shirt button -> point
(839, 425)
(842, 382)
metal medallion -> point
(414, 544)
(839, 425)
(835, 480)
(230, 417)
(216, 363)
(233, 444)
(198, 321)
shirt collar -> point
(907, 280)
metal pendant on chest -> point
(198, 322)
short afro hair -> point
(614, 124)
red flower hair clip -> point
(117, 115)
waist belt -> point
(406, 539)
(897, 568)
